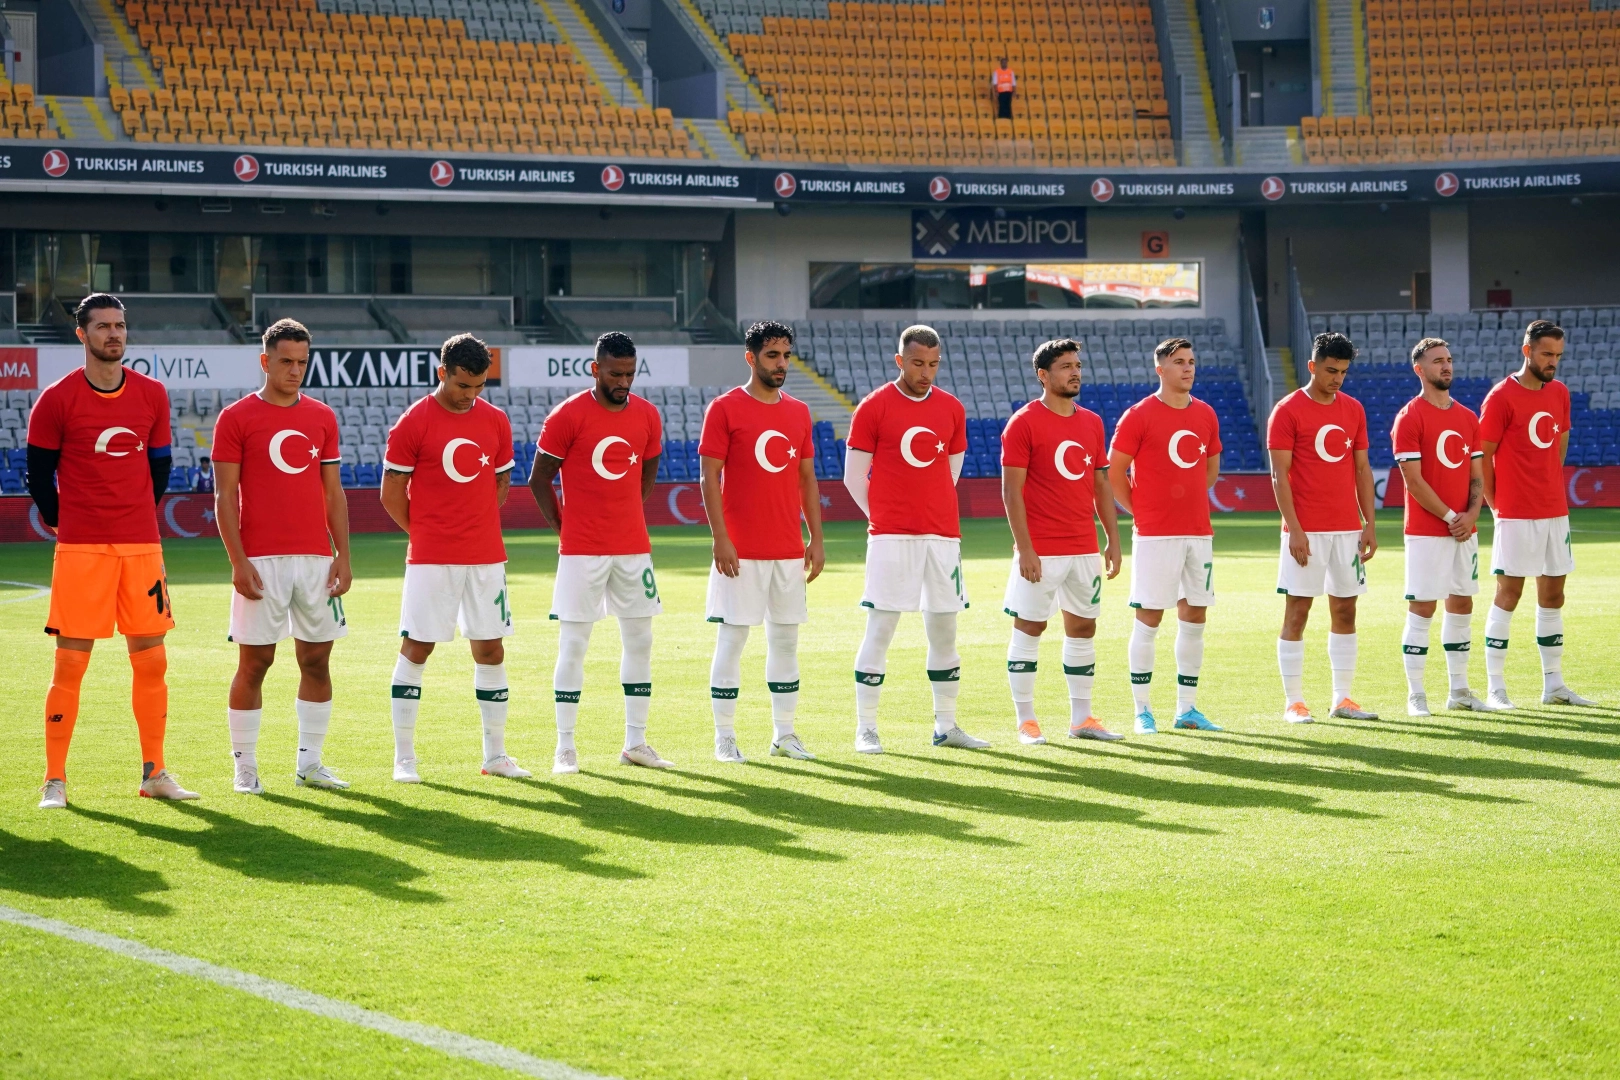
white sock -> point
(489, 687)
(782, 676)
(314, 717)
(1497, 623)
(244, 725)
(1291, 663)
(871, 662)
(1455, 633)
(1550, 642)
(1139, 653)
(1189, 662)
(1342, 659)
(635, 675)
(568, 677)
(1079, 669)
(944, 667)
(1023, 651)
(725, 676)
(1415, 650)
(407, 701)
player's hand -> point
(245, 577)
(815, 560)
(339, 577)
(1112, 559)
(1462, 527)
(725, 558)
(1299, 546)
(1029, 565)
(1369, 542)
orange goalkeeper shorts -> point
(95, 586)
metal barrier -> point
(1299, 321)
(1252, 341)
(1224, 83)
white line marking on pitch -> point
(39, 590)
(435, 1038)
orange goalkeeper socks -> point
(150, 697)
(62, 709)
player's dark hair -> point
(766, 330)
(615, 345)
(1046, 355)
(467, 353)
(926, 336)
(1168, 346)
(1533, 333)
(1425, 345)
(285, 330)
(99, 300)
(1332, 346)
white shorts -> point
(1438, 567)
(764, 589)
(1071, 583)
(1165, 569)
(440, 598)
(1532, 547)
(592, 587)
(914, 573)
(295, 603)
(1334, 567)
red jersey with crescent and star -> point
(452, 459)
(104, 439)
(1323, 440)
(1060, 456)
(762, 445)
(603, 454)
(1444, 443)
(1169, 449)
(1526, 426)
(281, 449)
(911, 442)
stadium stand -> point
(1480, 79)
(302, 73)
(849, 83)
(22, 116)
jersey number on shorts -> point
(1475, 569)
(500, 606)
(160, 593)
(336, 604)
(649, 584)
(1361, 571)
(1209, 576)
(956, 576)
(1096, 589)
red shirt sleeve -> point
(959, 443)
(227, 445)
(1407, 435)
(45, 422)
(716, 440)
(807, 448)
(863, 427)
(1215, 432)
(1494, 417)
(1361, 442)
(332, 443)
(1281, 429)
(557, 433)
(404, 443)
(1128, 433)
(1015, 440)
(503, 456)
(655, 433)
(160, 435)
(1563, 393)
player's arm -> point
(1109, 516)
(228, 518)
(396, 497)
(1476, 497)
(503, 486)
(649, 475)
(341, 576)
(858, 477)
(42, 462)
(815, 552)
(1369, 506)
(1299, 545)
(1119, 478)
(545, 496)
(1419, 491)
(1012, 497)
(1212, 469)
(1487, 471)
(159, 459)
(1563, 447)
(725, 552)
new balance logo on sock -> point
(1141, 678)
(490, 695)
(951, 674)
(1416, 650)
(783, 687)
(637, 689)
(1020, 665)
(1186, 680)
(1550, 641)
(1462, 646)
(402, 691)
(868, 678)
(566, 697)
(1086, 669)
(1496, 643)
(54, 718)
(724, 693)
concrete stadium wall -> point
(1550, 252)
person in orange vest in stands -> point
(1004, 82)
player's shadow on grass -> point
(447, 833)
(655, 824)
(56, 870)
(1508, 737)
(268, 853)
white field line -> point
(447, 1042)
(39, 591)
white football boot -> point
(505, 766)
(1563, 695)
(790, 746)
(405, 772)
(725, 749)
(1417, 705)
(53, 796)
(247, 780)
(960, 739)
(160, 785)
(566, 761)
(319, 777)
(867, 741)
(645, 756)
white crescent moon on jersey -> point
(1321, 442)
(1440, 449)
(1175, 456)
(280, 462)
(601, 451)
(106, 437)
(1057, 460)
(906, 452)
(1532, 429)
(759, 450)
(448, 459)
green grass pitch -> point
(1388, 899)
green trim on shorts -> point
(714, 618)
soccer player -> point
(907, 441)
(605, 442)
(1054, 483)
(759, 477)
(1437, 448)
(446, 474)
(1165, 456)
(1524, 432)
(281, 512)
(1318, 441)
(98, 463)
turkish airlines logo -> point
(1272, 188)
(1446, 184)
(786, 185)
(612, 177)
(939, 188)
(441, 173)
(56, 163)
(1102, 189)
(246, 168)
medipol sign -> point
(986, 232)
